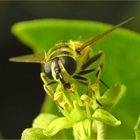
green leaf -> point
(122, 61)
(105, 117)
(112, 96)
(137, 129)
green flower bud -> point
(105, 117)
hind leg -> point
(98, 56)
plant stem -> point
(100, 130)
(83, 130)
(137, 129)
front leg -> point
(46, 85)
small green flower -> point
(80, 113)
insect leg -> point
(82, 80)
(104, 83)
(80, 77)
(98, 75)
(93, 59)
(46, 86)
(92, 70)
(51, 83)
(100, 56)
(83, 72)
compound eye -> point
(47, 68)
(69, 63)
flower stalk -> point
(100, 130)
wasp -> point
(69, 60)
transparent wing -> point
(33, 58)
(101, 35)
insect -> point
(68, 60)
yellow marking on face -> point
(53, 72)
(64, 72)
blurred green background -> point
(21, 87)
